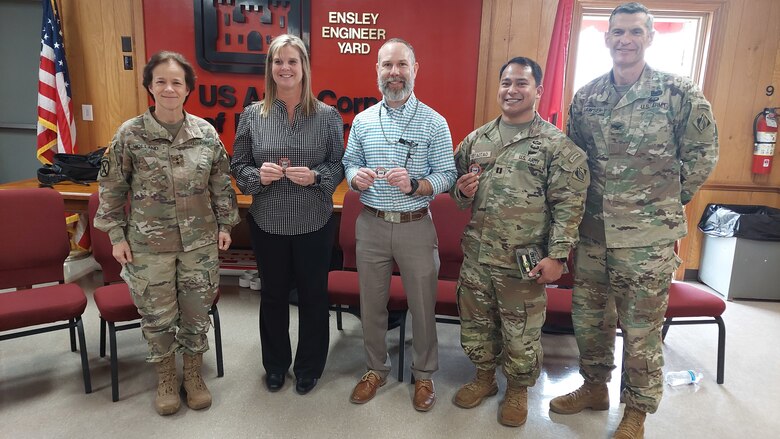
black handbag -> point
(72, 167)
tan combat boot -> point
(167, 401)
(471, 394)
(198, 395)
(513, 410)
(588, 396)
(632, 426)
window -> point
(679, 46)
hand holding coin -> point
(270, 172)
(468, 184)
(284, 163)
(399, 177)
(364, 179)
(300, 175)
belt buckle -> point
(392, 217)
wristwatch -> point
(415, 185)
(317, 178)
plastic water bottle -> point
(683, 377)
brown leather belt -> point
(398, 217)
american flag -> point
(56, 127)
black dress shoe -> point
(274, 381)
(304, 385)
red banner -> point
(551, 104)
(343, 36)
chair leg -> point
(72, 332)
(622, 365)
(667, 323)
(84, 359)
(114, 362)
(401, 346)
(721, 348)
(102, 337)
(218, 340)
(339, 324)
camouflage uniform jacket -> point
(179, 189)
(531, 191)
(648, 153)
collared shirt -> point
(315, 141)
(649, 151)
(531, 192)
(180, 191)
(412, 136)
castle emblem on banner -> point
(232, 36)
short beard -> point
(395, 95)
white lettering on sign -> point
(352, 17)
(353, 33)
(354, 26)
(361, 48)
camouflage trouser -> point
(501, 318)
(174, 292)
(630, 285)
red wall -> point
(444, 33)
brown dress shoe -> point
(424, 395)
(366, 389)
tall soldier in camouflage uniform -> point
(526, 183)
(173, 169)
(651, 142)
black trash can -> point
(740, 255)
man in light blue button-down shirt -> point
(399, 155)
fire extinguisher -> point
(764, 138)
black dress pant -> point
(300, 261)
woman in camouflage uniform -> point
(172, 169)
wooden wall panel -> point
(509, 29)
(495, 15)
(753, 65)
(776, 75)
(93, 32)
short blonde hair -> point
(308, 101)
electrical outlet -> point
(86, 112)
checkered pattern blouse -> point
(316, 141)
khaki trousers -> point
(415, 248)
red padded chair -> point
(450, 221)
(115, 303)
(35, 247)
(343, 285)
(689, 305)
(559, 296)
